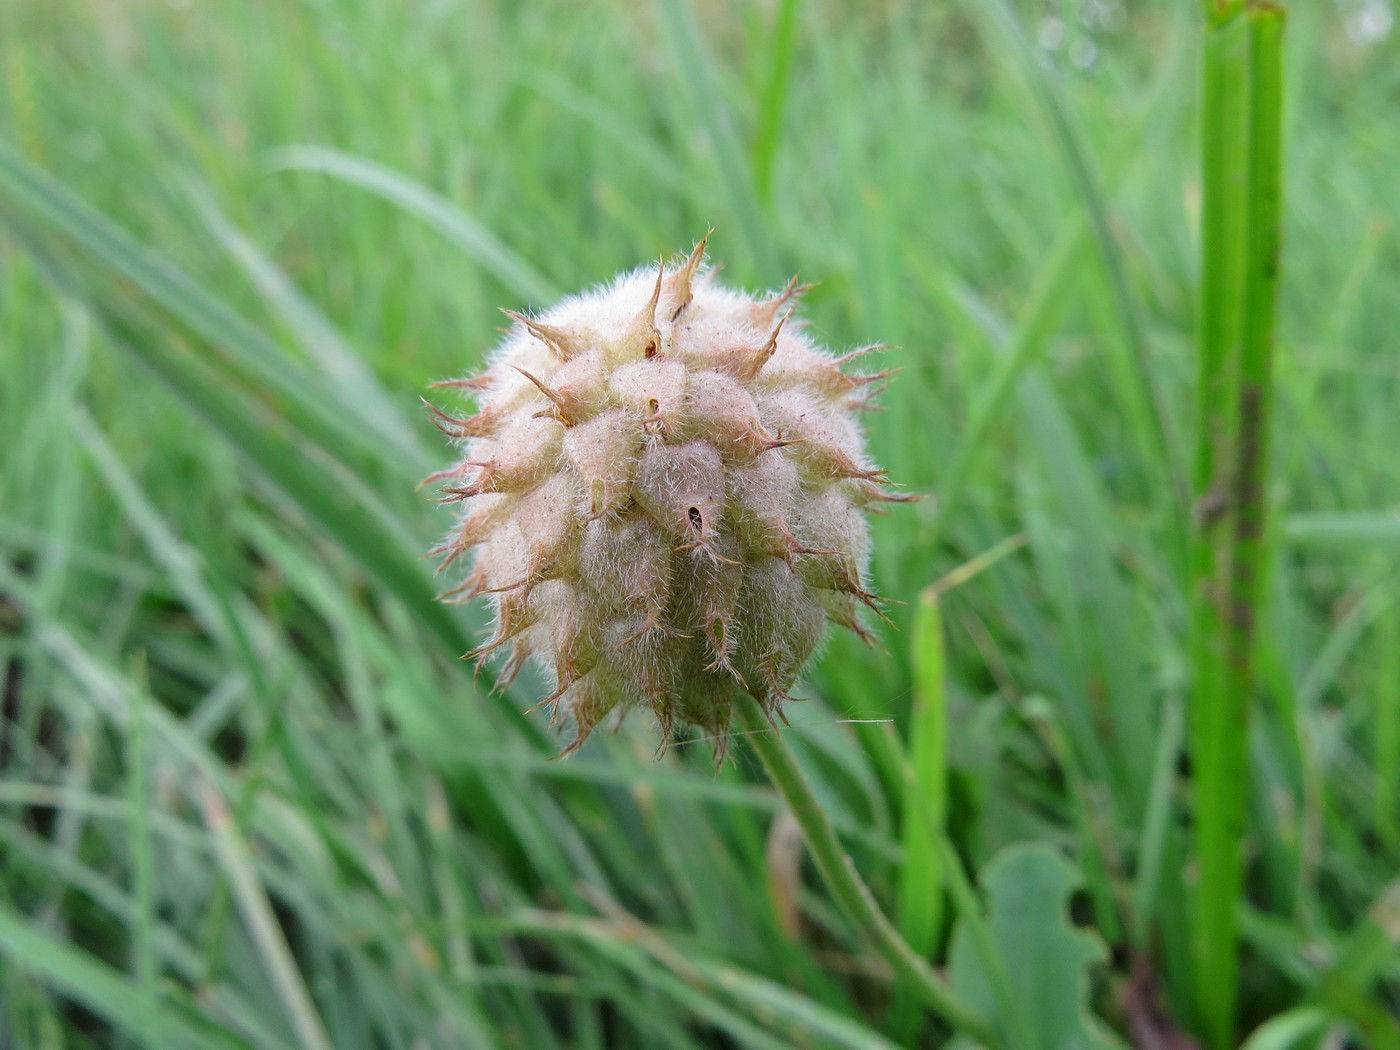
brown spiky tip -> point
(763, 314)
(680, 288)
(663, 486)
(564, 343)
(479, 382)
(641, 338)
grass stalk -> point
(1386, 790)
(851, 893)
(773, 100)
(263, 928)
(1241, 166)
(142, 876)
(919, 911)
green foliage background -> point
(249, 796)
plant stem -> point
(1241, 166)
(851, 893)
(1216, 742)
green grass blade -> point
(382, 553)
(494, 255)
(140, 849)
(700, 81)
(346, 510)
(774, 96)
(128, 264)
(109, 994)
(1342, 529)
(1144, 393)
(262, 924)
(1386, 777)
(919, 913)
(1022, 346)
(342, 368)
(1156, 825)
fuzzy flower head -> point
(664, 489)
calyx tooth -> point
(564, 343)
(563, 408)
(679, 286)
(478, 382)
(442, 475)
(763, 314)
(748, 361)
(514, 614)
(482, 424)
(642, 338)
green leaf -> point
(1046, 958)
(1298, 1027)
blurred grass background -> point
(249, 796)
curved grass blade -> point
(342, 368)
(262, 923)
(449, 220)
(1147, 400)
(126, 265)
(108, 993)
(700, 80)
(304, 474)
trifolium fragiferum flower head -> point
(663, 488)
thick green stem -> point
(850, 892)
(1241, 165)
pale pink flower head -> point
(664, 488)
